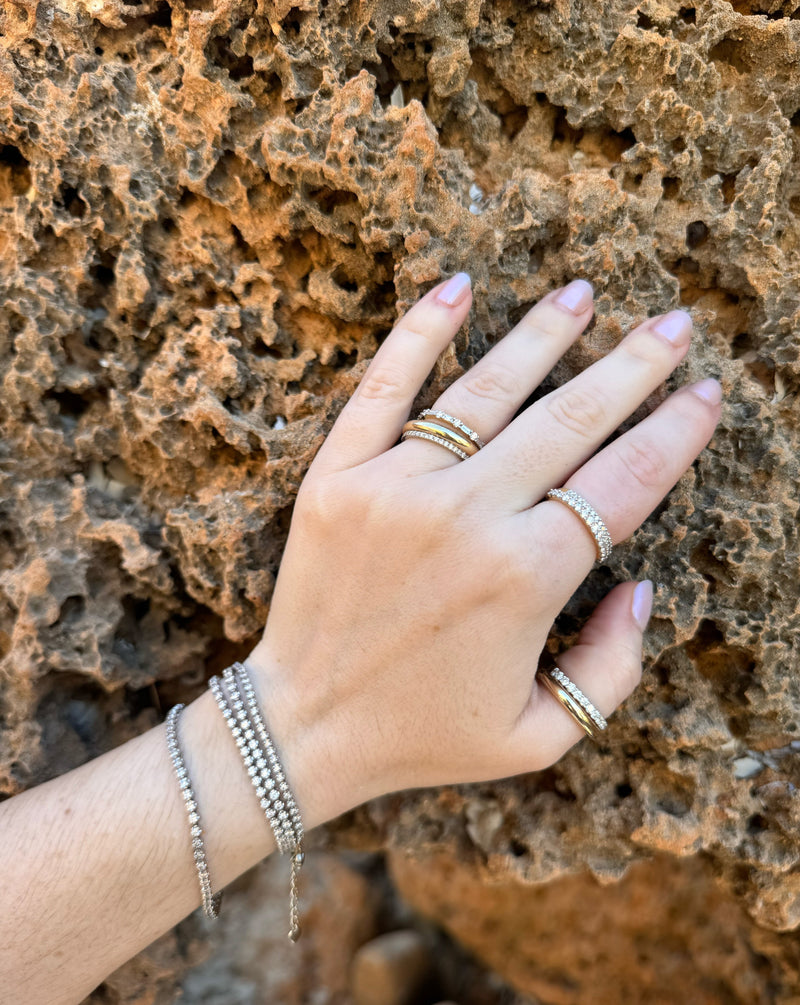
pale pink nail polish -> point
(675, 327)
(642, 603)
(577, 296)
(709, 390)
(454, 290)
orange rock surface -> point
(211, 212)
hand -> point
(417, 590)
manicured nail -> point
(709, 390)
(454, 290)
(576, 296)
(642, 603)
(675, 327)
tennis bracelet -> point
(236, 698)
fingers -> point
(624, 482)
(371, 421)
(557, 433)
(489, 394)
(606, 664)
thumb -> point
(605, 663)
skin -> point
(412, 604)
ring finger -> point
(489, 394)
(553, 437)
(624, 483)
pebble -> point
(746, 767)
(391, 969)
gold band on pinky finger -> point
(589, 718)
(589, 515)
(453, 440)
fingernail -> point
(709, 390)
(642, 603)
(576, 296)
(675, 327)
(454, 290)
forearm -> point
(97, 863)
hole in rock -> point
(71, 200)
(162, 17)
(731, 52)
(670, 187)
(219, 53)
(343, 280)
(294, 21)
(69, 404)
(71, 610)
(327, 198)
(696, 234)
(15, 174)
(728, 188)
(103, 272)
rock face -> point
(212, 211)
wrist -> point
(319, 753)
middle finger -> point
(556, 434)
(490, 392)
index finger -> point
(372, 420)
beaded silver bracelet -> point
(211, 901)
(236, 699)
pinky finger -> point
(605, 663)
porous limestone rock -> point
(213, 210)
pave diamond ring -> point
(589, 515)
(574, 701)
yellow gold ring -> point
(590, 719)
(451, 439)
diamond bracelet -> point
(211, 901)
(236, 699)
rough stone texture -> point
(665, 933)
(212, 211)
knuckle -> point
(321, 502)
(492, 383)
(314, 500)
(642, 461)
(534, 329)
(385, 383)
(579, 411)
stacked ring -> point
(590, 719)
(445, 430)
(451, 420)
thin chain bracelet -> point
(211, 901)
(236, 699)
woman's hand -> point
(412, 604)
(417, 591)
